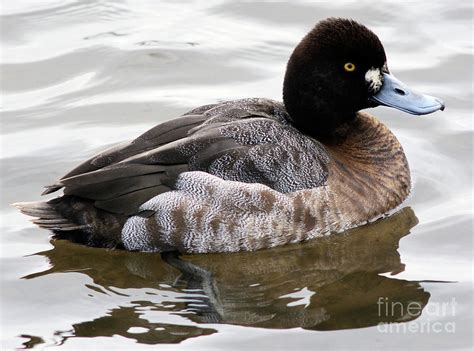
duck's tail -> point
(76, 219)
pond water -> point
(78, 76)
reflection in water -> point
(120, 320)
(325, 284)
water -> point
(78, 76)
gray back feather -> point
(250, 141)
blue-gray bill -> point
(396, 94)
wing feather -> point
(160, 135)
(246, 140)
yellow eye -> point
(349, 67)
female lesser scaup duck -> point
(252, 173)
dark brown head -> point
(336, 70)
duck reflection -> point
(328, 283)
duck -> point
(252, 173)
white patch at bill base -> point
(374, 78)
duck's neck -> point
(369, 171)
(368, 177)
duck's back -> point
(248, 141)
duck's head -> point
(339, 68)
